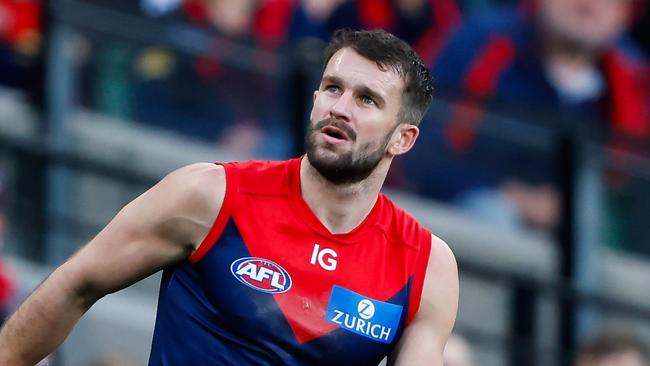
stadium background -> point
(99, 99)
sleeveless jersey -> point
(270, 285)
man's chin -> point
(326, 158)
(326, 155)
(330, 151)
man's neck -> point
(340, 208)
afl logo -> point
(261, 274)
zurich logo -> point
(370, 318)
(261, 274)
(366, 309)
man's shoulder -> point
(194, 177)
(408, 230)
(258, 166)
(401, 226)
(197, 187)
(267, 177)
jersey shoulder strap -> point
(244, 178)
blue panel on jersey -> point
(368, 317)
(207, 317)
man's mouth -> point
(335, 133)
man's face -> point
(233, 18)
(353, 118)
(591, 24)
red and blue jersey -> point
(270, 285)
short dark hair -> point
(610, 343)
(389, 51)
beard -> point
(348, 167)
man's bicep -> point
(424, 340)
(439, 304)
(160, 227)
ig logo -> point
(325, 257)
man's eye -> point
(332, 88)
(367, 100)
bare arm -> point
(424, 340)
(160, 227)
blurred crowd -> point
(567, 66)
(563, 65)
(20, 41)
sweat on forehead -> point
(383, 60)
(348, 58)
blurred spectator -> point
(156, 8)
(7, 290)
(20, 25)
(612, 349)
(469, 6)
(203, 96)
(230, 18)
(212, 100)
(309, 19)
(7, 282)
(261, 22)
(458, 352)
(553, 62)
(421, 23)
(640, 28)
(132, 7)
(20, 43)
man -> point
(458, 351)
(611, 349)
(553, 62)
(306, 262)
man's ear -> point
(403, 139)
(313, 100)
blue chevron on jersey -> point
(370, 318)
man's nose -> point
(342, 108)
